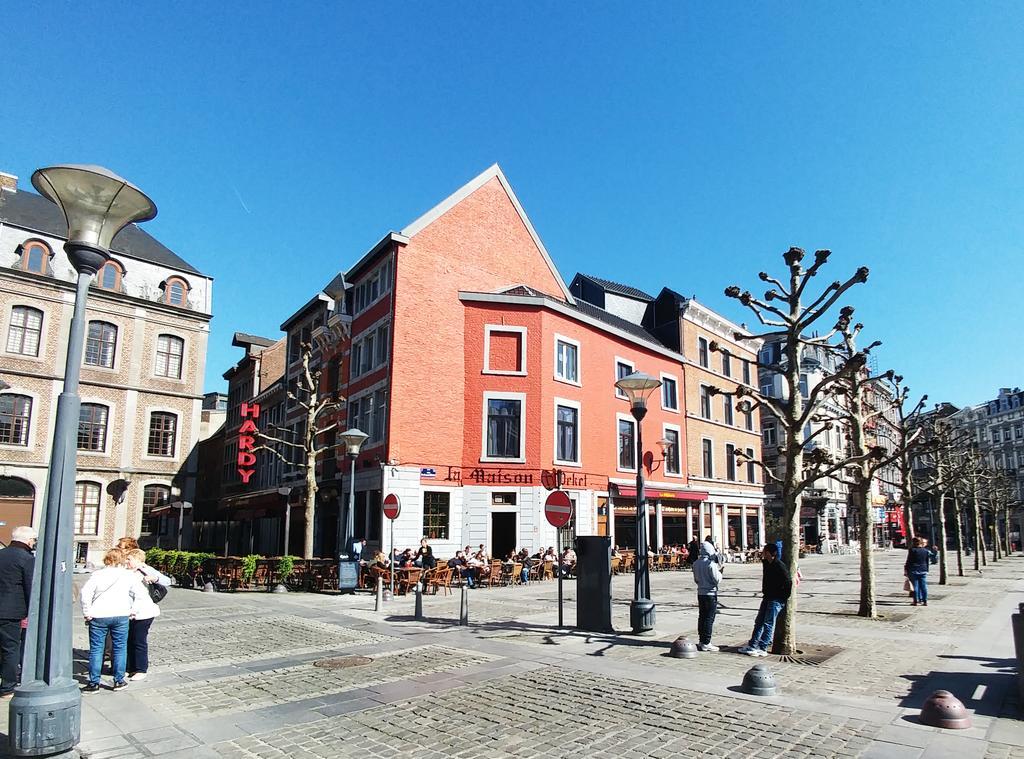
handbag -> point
(157, 592)
(907, 587)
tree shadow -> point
(964, 686)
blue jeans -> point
(764, 625)
(98, 629)
(919, 582)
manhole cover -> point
(343, 662)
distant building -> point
(141, 385)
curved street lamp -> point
(353, 440)
(638, 388)
(45, 713)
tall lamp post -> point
(353, 440)
(638, 388)
(45, 713)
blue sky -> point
(680, 144)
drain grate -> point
(343, 662)
(812, 655)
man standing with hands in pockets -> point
(707, 573)
(776, 587)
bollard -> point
(464, 607)
(380, 595)
(683, 648)
(1017, 625)
(209, 587)
(419, 601)
(943, 709)
(759, 681)
(279, 588)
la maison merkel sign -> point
(247, 441)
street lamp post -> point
(45, 713)
(353, 440)
(638, 388)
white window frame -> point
(707, 475)
(616, 378)
(578, 382)
(579, 434)
(499, 396)
(184, 359)
(675, 379)
(679, 452)
(490, 329)
(625, 418)
(179, 428)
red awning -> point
(663, 494)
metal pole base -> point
(45, 719)
(641, 616)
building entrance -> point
(503, 533)
(17, 497)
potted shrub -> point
(249, 567)
(285, 569)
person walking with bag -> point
(146, 610)
(109, 600)
(707, 574)
(776, 587)
(916, 569)
(16, 566)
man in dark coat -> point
(776, 587)
(16, 565)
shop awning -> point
(662, 494)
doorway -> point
(503, 533)
(17, 498)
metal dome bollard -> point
(943, 709)
(682, 648)
(759, 681)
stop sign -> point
(558, 509)
(392, 506)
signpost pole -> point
(558, 548)
(558, 511)
(391, 559)
(392, 507)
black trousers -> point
(138, 645)
(707, 607)
(10, 653)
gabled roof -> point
(35, 213)
(616, 287)
(492, 172)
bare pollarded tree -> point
(305, 451)
(789, 313)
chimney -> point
(8, 182)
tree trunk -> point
(959, 536)
(1006, 530)
(907, 495)
(307, 544)
(943, 573)
(867, 559)
(785, 632)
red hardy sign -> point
(558, 509)
(392, 506)
(247, 441)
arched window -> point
(24, 331)
(162, 431)
(100, 344)
(87, 508)
(153, 497)
(109, 276)
(35, 256)
(169, 352)
(15, 419)
(175, 291)
(92, 427)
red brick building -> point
(478, 376)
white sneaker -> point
(744, 649)
(751, 651)
(760, 652)
(137, 676)
(707, 647)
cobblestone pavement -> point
(233, 675)
(561, 713)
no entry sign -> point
(558, 509)
(392, 506)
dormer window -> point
(35, 256)
(175, 291)
(109, 276)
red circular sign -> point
(558, 509)
(392, 506)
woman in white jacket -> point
(145, 612)
(109, 601)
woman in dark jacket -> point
(916, 568)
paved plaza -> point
(242, 675)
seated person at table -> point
(425, 556)
(466, 572)
(567, 562)
(523, 557)
(482, 553)
(549, 555)
(615, 553)
(380, 561)
(406, 561)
